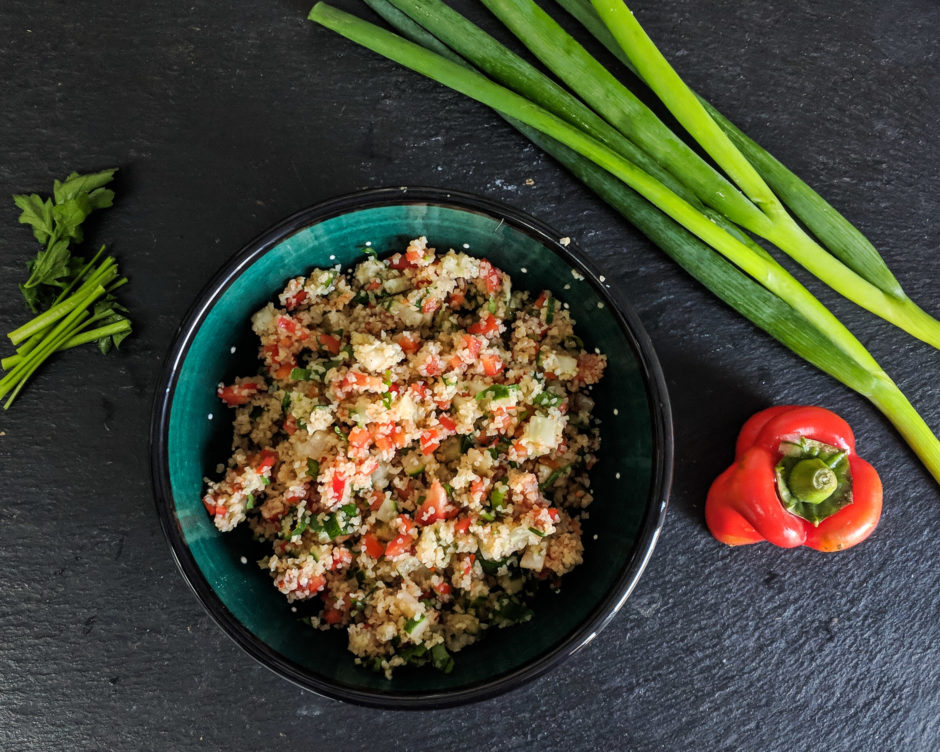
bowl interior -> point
(199, 434)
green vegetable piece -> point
(555, 475)
(313, 468)
(547, 399)
(513, 611)
(494, 392)
(332, 527)
(299, 374)
(813, 479)
(441, 659)
(37, 213)
(411, 624)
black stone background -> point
(226, 116)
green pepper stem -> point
(812, 481)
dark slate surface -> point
(225, 117)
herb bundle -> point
(703, 218)
(73, 297)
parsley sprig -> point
(76, 297)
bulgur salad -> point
(415, 450)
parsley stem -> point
(25, 368)
(78, 338)
(102, 276)
(53, 344)
(79, 277)
(62, 331)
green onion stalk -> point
(801, 322)
(757, 209)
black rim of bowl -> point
(660, 415)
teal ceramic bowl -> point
(191, 435)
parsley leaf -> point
(36, 212)
(76, 297)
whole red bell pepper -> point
(796, 480)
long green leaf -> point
(840, 236)
(784, 231)
(574, 65)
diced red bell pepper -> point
(358, 437)
(492, 364)
(398, 546)
(410, 343)
(212, 507)
(314, 584)
(295, 300)
(288, 325)
(237, 394)
(268, 458)
(491, 276)
(471, 344)
(339, 485)
(333, 616)
(430, 440)
(463, 525)
(442, 588)
(342, 557)
(447, 422)
(329, 343)
(372, 546)
(399, 261)
(488, 324)
(436, 506)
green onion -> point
(332, 527)
(299, 374)
(513, 611)
(441, 659)
(556, 474)
(550, 310)
(547, 399)
(775, 301)
(411, 624)
(313, 468)
(498, 497)
(659, 75)
(494, 392)
(536, 531)
(839, 235)
(250, 502)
